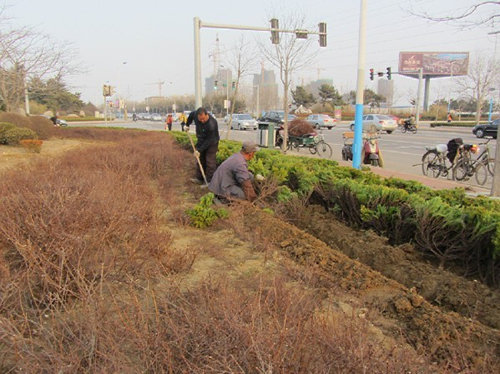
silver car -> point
(378, 122)
(242, 122)
(321, 120)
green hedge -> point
(83, 119)
(4, 127)
(445, 224)
(454, 124)
(14, 135)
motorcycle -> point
(409, 126)
(370, 153)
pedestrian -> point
(207, 133)
(169, 122)
(54, 119)
(449, 118)
(182, 120)
(232, 180)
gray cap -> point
(248, 147)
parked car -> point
(377, 122)
(487, 129)
(321, 120)
(276, 116)
(242, 122)
(156, 117)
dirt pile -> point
(405, 265)
(429, 330)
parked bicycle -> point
(456, 158)
(466, 167)
(435, 163)
(486, 159)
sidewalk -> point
(434, 183)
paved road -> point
(401, 151)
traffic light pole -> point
(358, 118)
(198, 24)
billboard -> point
(437, 64)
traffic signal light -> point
(106, 90)
(275, 35)
(322, 34)
(371, 74)
(389, 73)
(215, 84)
(233, 85)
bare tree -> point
(478, 14)
(26, 53)
(242, 62)
(289, 56)
(481, 77)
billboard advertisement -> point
(438, 64)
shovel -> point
(197, 158)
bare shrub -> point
(16, 119)
(68, 225)
(42, 126)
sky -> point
(133, 44)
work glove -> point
(197, 154)
(259, 177)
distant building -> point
(265, 91)
(385, 88)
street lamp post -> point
(227, 89)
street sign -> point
(227, 104)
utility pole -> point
(358, 119)
(419, 95)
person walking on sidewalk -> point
(232, 180)
(207, 133)
(449, 118)
(168, 122)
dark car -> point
(489, 129)
(276, 116)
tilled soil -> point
(401, 311)
(405, 265)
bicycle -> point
(435, 162)
(485, 158)
(466, 167)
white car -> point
(242, 122)
(156, 117)
(378, 122)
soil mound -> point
(405, 265)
